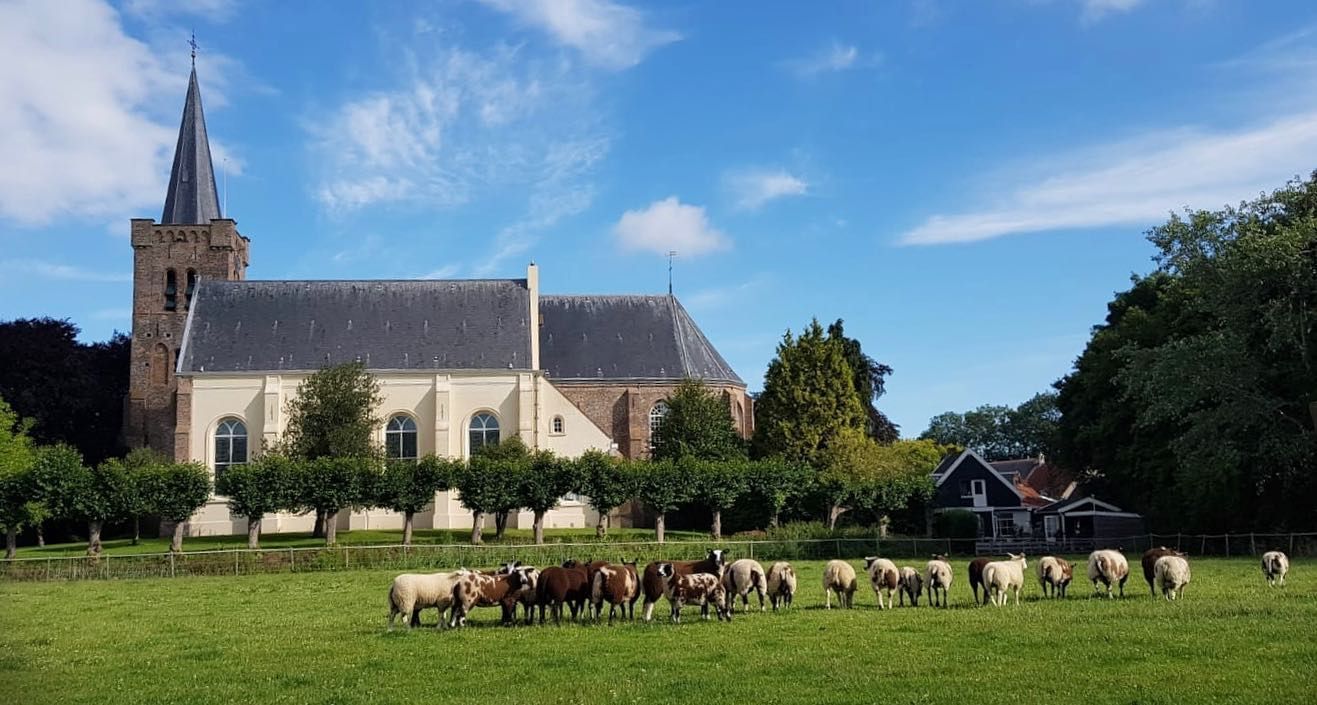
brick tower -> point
(192, 241)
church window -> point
(230, 445)
(159, 364)
(191, 287)
(400, 438)
(483, 431)
(656, 416)
(557, 426)
(171, 290)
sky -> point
(965, 184)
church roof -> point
(388, 325)
(192, 198)
(591, 338)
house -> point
(1087, 519)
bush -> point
(956, 524)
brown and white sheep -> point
(412, 592)
(912, 586)
(1054, 575)
(883, 577)
(1149, 560)
(619, 585)
(480, 590)
(839, 577)
(1001, 576)
(1171, 574)
(652, 587)
(781, 584)
(975, 572)
(1110, 568)
(567, 584)
(701, 589)
(1274, 567)
(939, 581)
(743, 577)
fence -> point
(447, 557)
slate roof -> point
(389, 325)
(192, 198)
(1016, 469)
(591, 338)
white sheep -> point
(939, 581)
(1109, 567)
(1000, 576)
(1054, 575)
(839, 577)
(1274, 566)
(883, 577)
(742, 577)
(912, 586)
(412, 592)
(1171, 574)
(781, 584)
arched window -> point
(191, 287)
(171, 290)
(230, 445)
(656, 416)
(400, 438)
(557, 425)
(483, 431)
(159, 364)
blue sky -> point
(965, 184)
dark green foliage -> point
(333, 414)
(175, 491)
(665, 485)
(870, 378)
(606, 481)
(956, 524)
(1001, 432)
(698, 425)
(772, 482)
(265, 485)
(409, 486)
(546, 479)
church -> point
(461, 363)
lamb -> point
(1274, 566)
(700, 589)
(781, 584)
(1054, 573)
(1150, 559)
(884, 577)
(412, 592)
(976, 578)
(1171, 574)
(912, 586)
(939, 581)
(839, 577)
(1000, 576)
(652, 586)
(742, 577)
(1110, 567)
(619, 585)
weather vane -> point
(671, 254)
(193, 43)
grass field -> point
(320, 638)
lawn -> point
(320, 638)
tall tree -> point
(511, 459)
(698, 424)
(1000, 432)
(809, 396)
(19, 507)
(870, 378)
(409, 486)
(607, 482)
(101, 493)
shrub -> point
(956, 524)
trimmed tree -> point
(409, 487)
(544, 481)
(18, 508)
(140, 462)
(176, 492)
(511, 458)
(265, 485)
(607, 482)
(484, 486)
(100, 493)
(774, 481)
(698, 424)
(665, 485)
(58, 477)
(718, 484)
(329, 485)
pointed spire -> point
(192, 198)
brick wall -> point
(621, 409)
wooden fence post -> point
(1252, 544)
(292, 561)
(1227, 545)
(171, 564)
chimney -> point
(533, 284)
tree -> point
(861, 474)
(809, 396)
(1031, 427)
(58, 478)
(18, 507)
(870, 378)
(665, 485)
(484, 486)
(1000, 432)
(140, 463)
(773, 481)
(846, 464)
(508, 460)
(698, 424)
(409, 487)
(176, 491)
(544, 481)
(100, 494)
(606, 482)
(263, 486)
(329, 485)
(718, 484)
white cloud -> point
(752, 188)
(830, 59)
(718, 297)
(607, 34)
(1095, 10)
(62, 272)
(212, 10)
(1138, 182)
(445, 272)
(668, 225)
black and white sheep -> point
(702, 589)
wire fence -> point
(236, 562)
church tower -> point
(192, 241)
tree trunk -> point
(41, 535)
(601, 528)
(318, 531)
(717, 525)
(331, 528)
(660, 523)
(539, 528)
(92, 538)
(774, 521)
(477, 521)
(176, 540)
(11, 544)
(407, 527)
(883, 523)
(137, 529)
(834, 513)
(500, 524)
(254, 532)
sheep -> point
(839, 577)
(1171, 574)
(741, 578)
(1000, 576)
(939, 581)
(781, 584)
(412, 592)
(481, 590)
(1150, 559)
(1274, 567)
(567, 584)
(652, 587)
(1054, 573)
(976, 578)
(1110, 567)
(884, 577)
(700, 589)
(912, 586)
(619, 585)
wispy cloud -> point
(212, 10)
(753, 187)
(64, 272)
(112, 314)
(1137, 182)
(1096, 10)
(607, 34)
(722, 296)
(830, 59)
(668, 225)
(445, 272)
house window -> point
(656, 416)
(482, 432)
(171, 290)
(1005, 525)
(400, 438)
(230, 445)
(978, 488)
(965, 492)
(557, 425)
